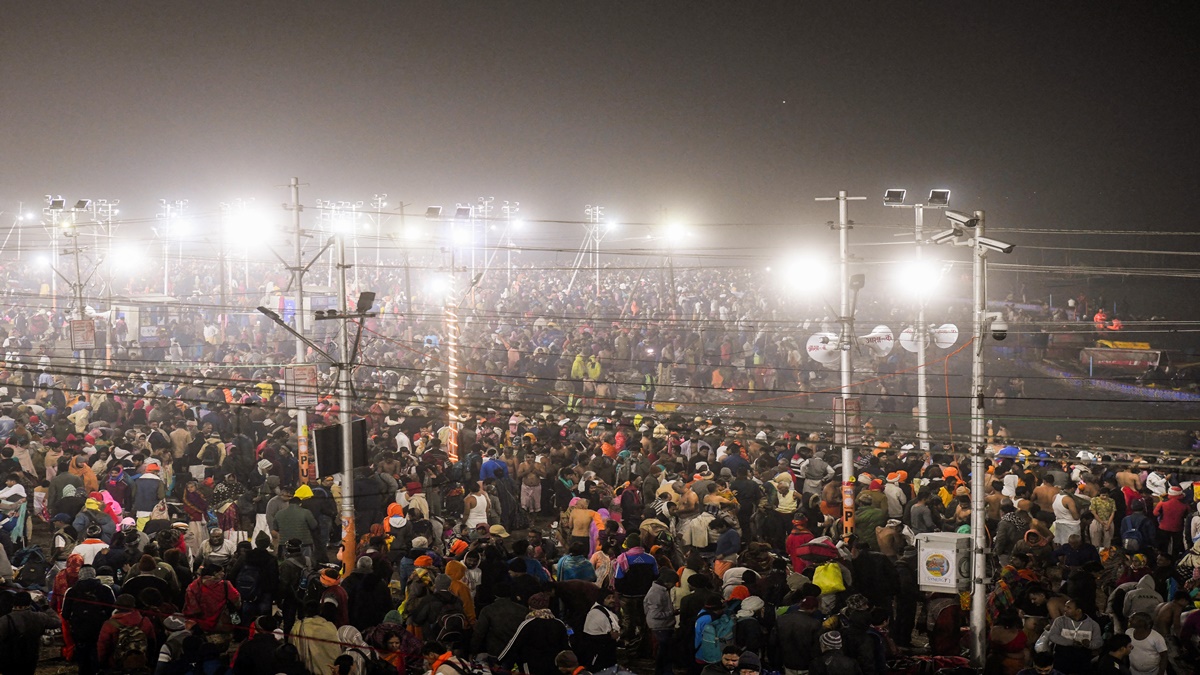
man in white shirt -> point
(601, 630)
(88, 548)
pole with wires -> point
(844, 345)
(345, 416)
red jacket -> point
(107, 645)
(206, 601)
(1171, 513)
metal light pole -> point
(847, 322)
(978, 526)
(301, 411)
(54, 208)
(938, 199)
(345, 417)
(510, 209)
(378, 203)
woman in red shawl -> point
(67, 578)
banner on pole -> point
(847, 421)
(83, 334)
(301, 383)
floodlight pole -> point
(978, 468)
(302, 455)
(345, 415)
(847, 322)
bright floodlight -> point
(433, 212)
(894, 196)
(58, 204)
(125, 258)
(806, 273)
(83, 205)
(42, 260)
(939, 198)
(917, 278)
(462, 213)
(463, 237)
(438, 284)
(611, 225)
(674, 233)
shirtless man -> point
(1129, 478)
(1167, 615)
(992, 500)
(689, 503)
(1044, 494)
(581, 523)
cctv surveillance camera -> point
(946, 235)
(962, 219)
(999, 330)
(994, 245)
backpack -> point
(1132, 538)
(247, 583)
(87, 615)
(33, 567)
(452, 629)
(373, 665)
(131, 649)
(18, 650)
(714, 638)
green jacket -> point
(295, 522)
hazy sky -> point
(1045, 114)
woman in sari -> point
(196, 508)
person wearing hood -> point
(216, 550)
(80, 469)
(125, 616)
(58, 483)
(1141, 598)
(324, 510)
(93, 515)
(294, 521)
(459, 587)
(85, 606)
(660, 618)
(367, 594)
(354, 646)
(440, 603)
(748, 631)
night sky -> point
(1045, 114)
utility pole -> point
(345, 414)
(301, 411)
(844, 344)
(978, 525)
(54, 208)
(509, 209)
(407, 270)
(73, 232)
(378, 203)
(922, 340)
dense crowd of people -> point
(568, 520)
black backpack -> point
(247, 583)
(452, 629)
(33, 567)
(373, 665)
